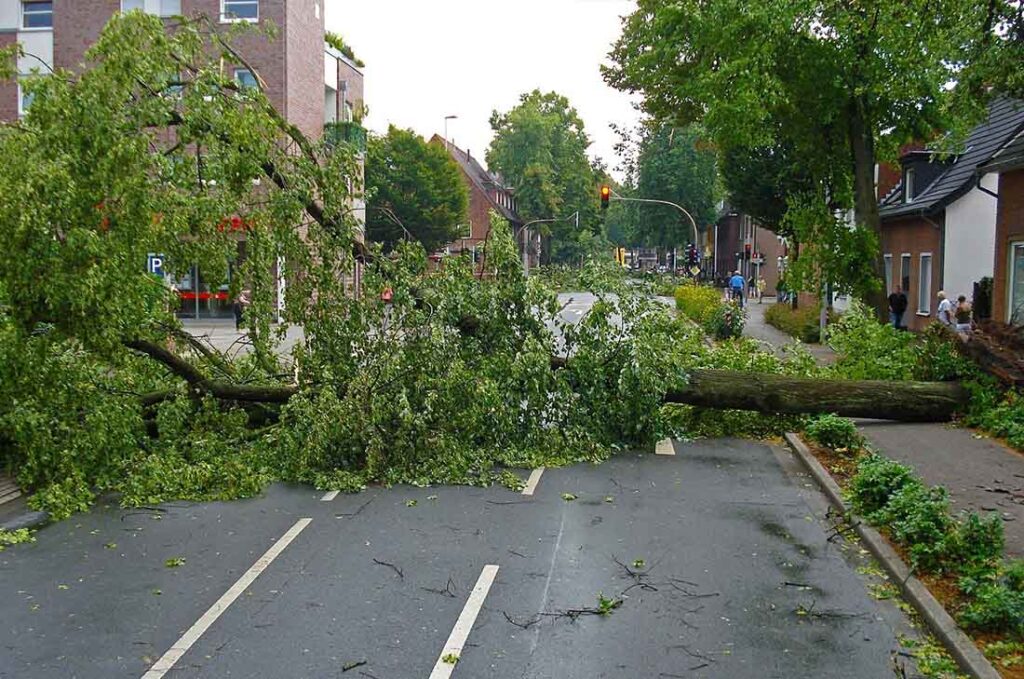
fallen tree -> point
(780, 394)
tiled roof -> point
(484, 180)
(1005, 120)
(1010, 157)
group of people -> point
(956, 317)
(754, 287)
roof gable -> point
(486, 182)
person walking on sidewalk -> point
(897, 307)
(762, 285)
(945, 314)
(962, 314)
(736, 285)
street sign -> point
(155, 264)
(694, 270)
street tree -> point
(877, 73)
(540, 149)
(415, 191)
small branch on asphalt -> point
(693, 654)
(448, 591)
(521, 625)
(392, 566)
(358, 511)
(347, 667)
(515, 553)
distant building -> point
(741, 244)
(486, 193)
(939, 219)
(312, 85)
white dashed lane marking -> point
(449, 657)
(531, 483)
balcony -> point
(347, 133)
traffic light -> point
(606, 196)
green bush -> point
(837, 433)
(725, 321)
(802, 323)
(995, 608)
(919, 519)
(869, 350)
(876, 481)
(1014, 572)
(697, 302)
(977, 543)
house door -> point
(1015, 292)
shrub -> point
(1014, 572)
(939, 358)
(876, 481)
(977, 543)
(869, 350)
(697, 302)
(837, 433)
(919, 519)
(802, 323)
(995, 608)
(725, 321)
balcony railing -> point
(347, 133)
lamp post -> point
(446, 119)
(524, 228)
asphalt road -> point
(716, 562)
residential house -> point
(939, 219)
(314, 86)
(487, 193)
(1008, 284)
(741, 244)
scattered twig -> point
(521, 625)
(515, 553)
(358, 511)
(448, 591)
(352, 665)
(392, 566)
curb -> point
(970, 659)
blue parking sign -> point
(155, 264)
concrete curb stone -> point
(967, 655)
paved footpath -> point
(715, 561)
(981, 475)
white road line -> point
(531, 483)
(181, 646)
(329, 495)
(463, 626)
(664, 447)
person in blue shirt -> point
(736, 285)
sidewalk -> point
(981, 475)
(759, 329)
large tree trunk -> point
(865, 206)
(766, 393)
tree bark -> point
(766, 393)
(865, 205)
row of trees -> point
(539, 149)
(802, 99)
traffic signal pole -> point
(696, 235)
(524, 229)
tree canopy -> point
(415, 190)
(540, 149)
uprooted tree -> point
(155, 149)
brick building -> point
(939, 219)
(1008, 284)
(486, 193)
(741, 244)
(314, 86)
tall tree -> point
(415, 189)
(540, 148)
(674, 165)
(878, 73)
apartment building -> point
(315, 87)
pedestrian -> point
(962, 314)
(897, 307)
(241, 304)
(762, 285)
(945, 314)
(736, 285)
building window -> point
(36, 14)
(239, 10)
(924, 290)
(1015, 309)
(905, 272)
(24, 100)
(908, 185)
(245, 79)
(165, 8)
(888, 274)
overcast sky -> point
(426, 59)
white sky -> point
(426, 59)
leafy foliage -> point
(416, 191)
(837, 433)
(802, 323)
(878, 478)
(697, 302)
(15, 537)
(869, 350)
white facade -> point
(970, 239)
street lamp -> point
(524, 228)
(446, 119)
